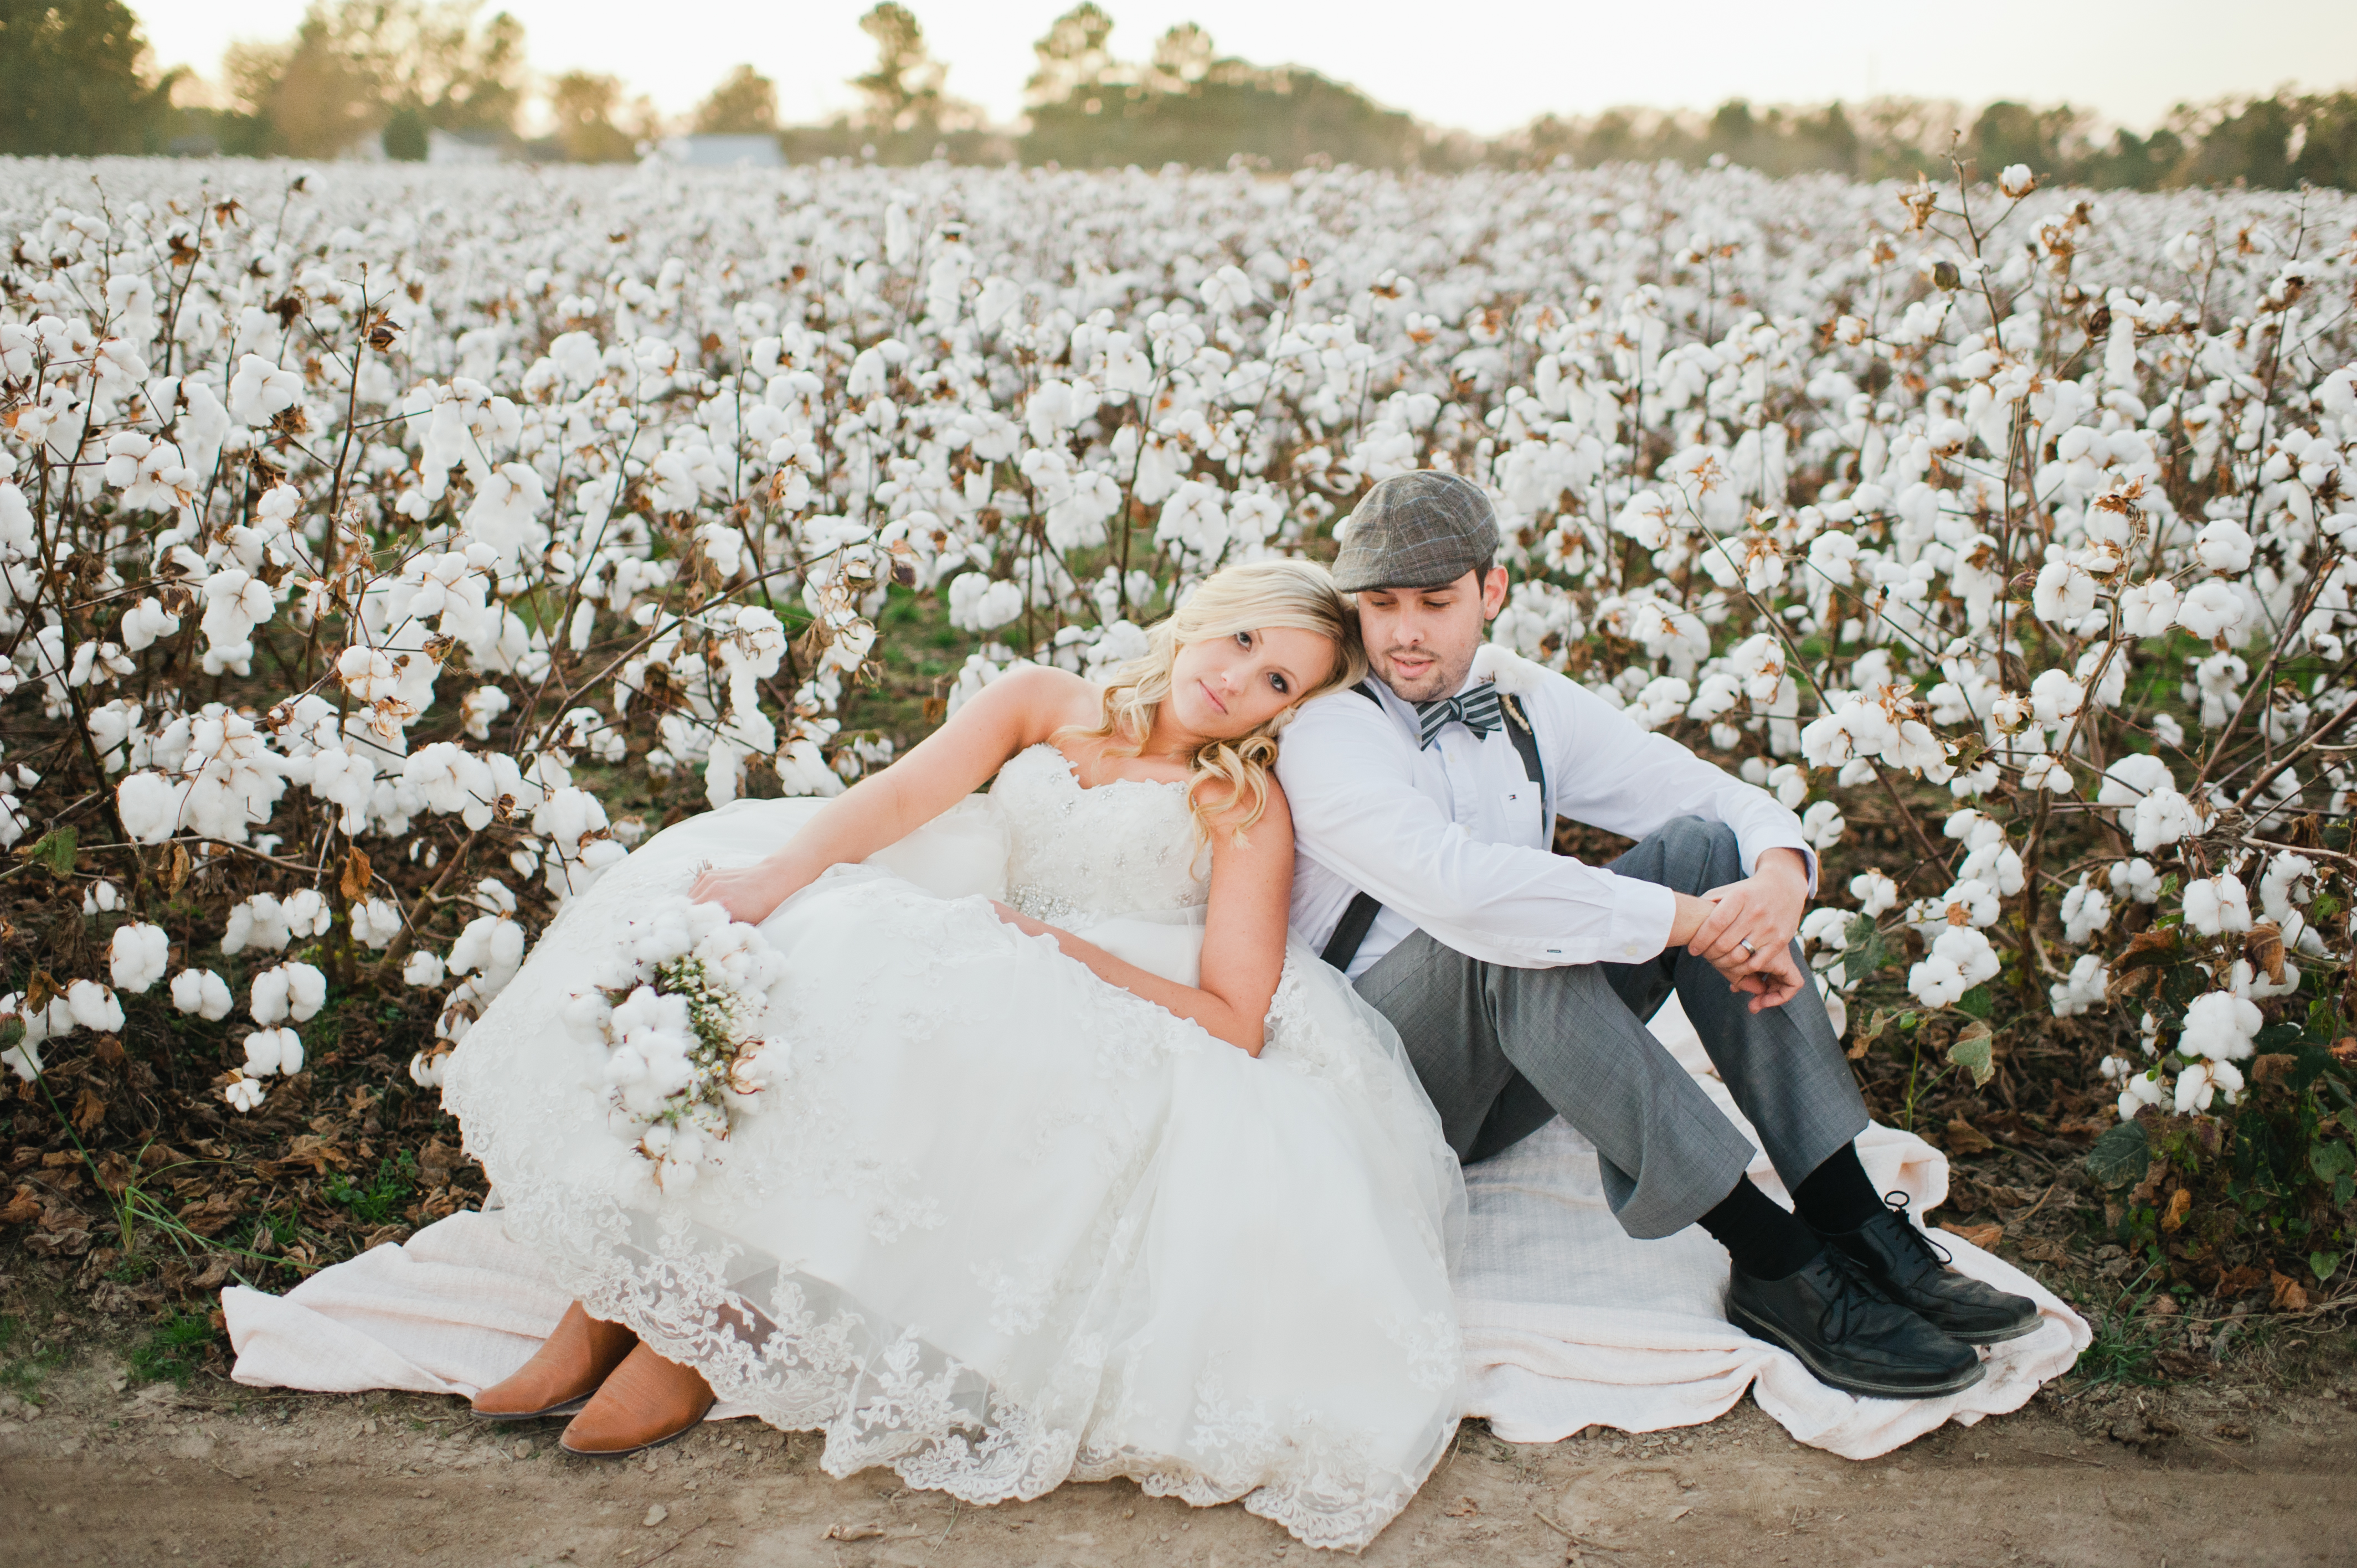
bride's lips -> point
(1212, 697)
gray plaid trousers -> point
(1502, 1050)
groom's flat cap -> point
(1416, 530)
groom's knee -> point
(1693, 854)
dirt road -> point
(232, 1478)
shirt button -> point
(1632, 949)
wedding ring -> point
(1745, 943)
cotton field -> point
(351, 518)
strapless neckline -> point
(1072, 772)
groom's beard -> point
(1439, 678)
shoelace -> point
(1861, 1292)
(1918, 1241)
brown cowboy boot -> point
(646, 1400)
(562, 1373)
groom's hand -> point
(1764, 910)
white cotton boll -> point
(2211, 611)
(2054, 697)
(146, 623)
(149, 804)
(2086, 911)
(2016, 181)
(261, 390)
(1827, 929)
(256, 922)
(2162, 818)
(1789, 784)
(137, 956)
(2137, 879)
(2253, 985)
(2063, 595)
(2049, 773)
(1936, 982)
(1823, 825)
(2199, 1084)
(424, 969)
(2081, 991)
(427, 1071)
(243, 1094)
(265, 1052)
(1875, 893)
(1973, 828)
(306, 992)
(2221, 1026)
(2140, 1091)
(22, 1058)
(376, 922)
(2214, 904)
(267, 1005)
(1970, 951)
(2130, 778)
(1975, 900)
(2148, 609)
(308, 913)
(2285, 881)
(92, 1006)
(1998, 865)
(101, 898)
(1960, 959)
(202, 993)
(2224, 546)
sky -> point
(1485, 66)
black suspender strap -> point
(1358, 916)
(1357, 921)
(1526, 747)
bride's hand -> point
(747, 893)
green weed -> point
(377, 1201)
(23, 1371)
(174, 1349)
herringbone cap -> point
(1416, 530)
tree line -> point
(389, 75)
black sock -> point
(1767, 1242)
(1836, 1196)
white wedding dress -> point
(1004, 1225)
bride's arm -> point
(1020, 709)
(1243, 934)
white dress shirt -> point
(1453, 840)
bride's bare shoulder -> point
(1052, 698)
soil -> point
(109, 1470)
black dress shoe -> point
(1913, 1271)
(1848, 1333)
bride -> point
(1103, 1176)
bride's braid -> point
(1249, 597)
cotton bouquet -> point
(679, 1006)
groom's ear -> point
(1493, 593)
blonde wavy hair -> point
(1249, 597)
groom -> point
(1424, 803)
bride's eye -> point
(1243, 639)
(1279, 682)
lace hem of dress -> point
(803, 1357)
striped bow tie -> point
(1476, 710)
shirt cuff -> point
(1751, 853)
(1641, 917)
